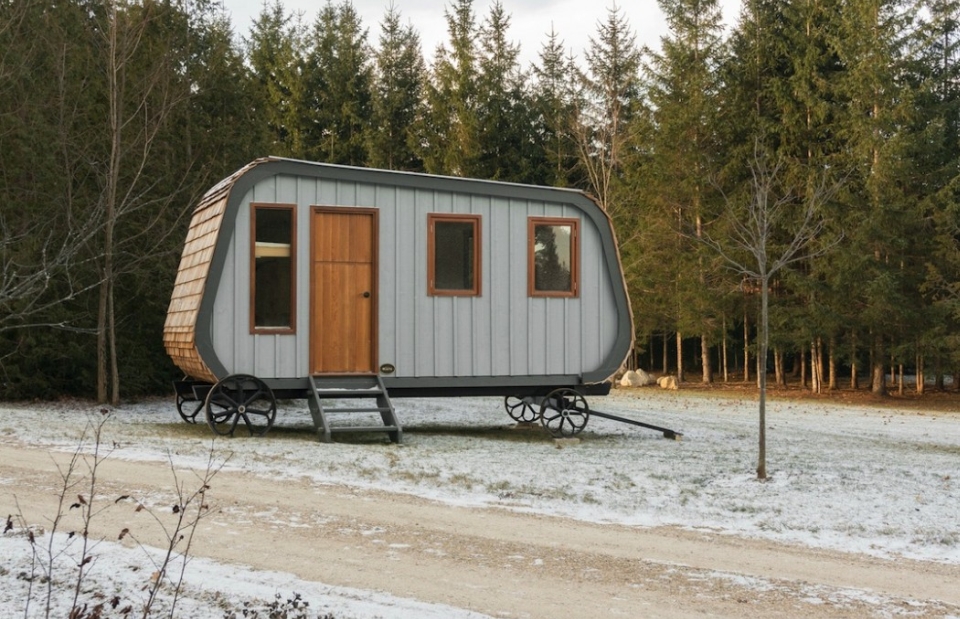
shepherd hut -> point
(327, 282)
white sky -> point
(531, 20)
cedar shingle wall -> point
(179, 330)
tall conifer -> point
(338, 75)
(397, 96)
(683, 94)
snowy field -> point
(870, 480)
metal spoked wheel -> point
(189, 408)
(520, 409)
(237, 398)
(564, 413)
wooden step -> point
(329, 387)
(364, 428)
(357, 410)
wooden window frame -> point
(532, 223)
(254, 329)
(476, 221)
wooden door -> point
(343, 291)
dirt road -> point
(496, 561)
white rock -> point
(668, 382)
(646, 379)
(630, 379)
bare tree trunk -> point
(921, 379)
(814, 384)
(803, 369)
(878, 378)
(102, 345)
(900, 379)
(760, 370)
(725, 361)
(746, 347)
(762, 343)
(679, 357)
(832, 364)
(778, 366)
(666, 364)
(705, 361)
(854, 380)
(106, 344)
(816, 366)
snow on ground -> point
(872, 480)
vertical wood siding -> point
(503, 332)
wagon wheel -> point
(564, 413)
(520, 409)
(189, 408)
(241, 397)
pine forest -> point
(795, 174)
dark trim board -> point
(298, 389)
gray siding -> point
(503, 332)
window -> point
(273, 292)
(553, 261)
(453, 255)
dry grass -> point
(947, 401)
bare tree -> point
(37, 250)
(31, 259)
(774, 228)
(141, 102)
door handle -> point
(366, 294)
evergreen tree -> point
(338, 76)
(222, 131)
(879, 216)
(936, 151)
(683, 93)
(397, 97)
(809, 311)
(749, 118)
(507, 150)
(276, 56)
(449, 134)
(553, 94)
(611, 87)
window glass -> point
(454, 260)
(553, 257)
(273, 258)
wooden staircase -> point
(359, 387)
